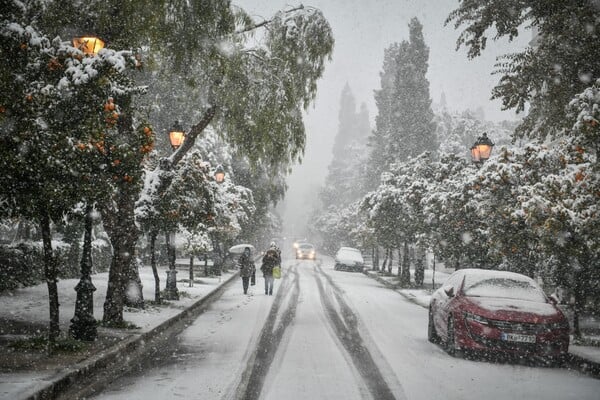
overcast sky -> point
(362, 30)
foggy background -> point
(362, 30)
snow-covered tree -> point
(405, 124)
(559, 62)
(61, 141)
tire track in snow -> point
(258, 366)
(345, 324)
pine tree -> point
(404, 124)
(413, 127)
(343, 179)
(383, 99)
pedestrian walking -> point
(247, 268)
(270, 260)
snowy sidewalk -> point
(586, 358)
(28, 372)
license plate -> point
(515, 337)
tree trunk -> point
(385, 260)
(134, 294)
(153, 236)
(192, 270)
(581, 280)
(390, 262)
(375, 257)
(405, 278)
(119, 223)
(50, 274)
(419, 267)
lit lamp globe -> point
(176, 135)
(219, 174)
(482, 149)
(89, 44)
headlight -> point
(476, 318)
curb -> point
(79, 376)
(572, 361)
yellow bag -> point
(276, 272)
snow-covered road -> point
(329, 335)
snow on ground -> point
(31, 304)
(425, 371)
(209, 359)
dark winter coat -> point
(246, 266)
(269, 261)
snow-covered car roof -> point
(349, 254)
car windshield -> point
(504, 287)
(306, 247)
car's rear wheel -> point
(432, 335)
(451, 346)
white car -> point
(306, 251)
(350, 259)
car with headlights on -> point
(349, 259)
(306, 251)
(497, 312)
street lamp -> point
(220, 174)
(482, 149)
(176, 135)
(217, 263)
(89, 44)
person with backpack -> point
(270, 260)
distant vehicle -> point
(349, 259)
(297, 242)
(497, 312)
(306, 251)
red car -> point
(497, 311)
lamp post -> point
(171, 291)
(83, 324)
(220, 259)
(176, 135)
(176, 138)
(481, 149)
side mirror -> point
(449, 290)
(553, 299)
